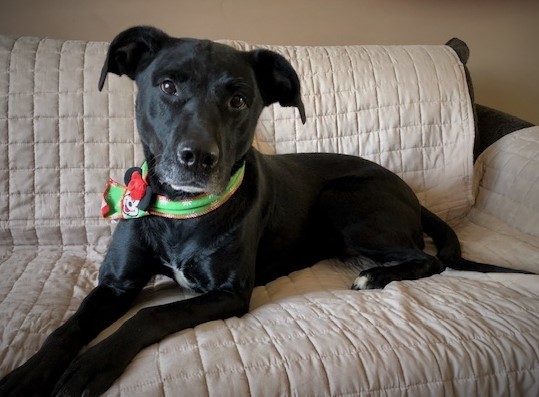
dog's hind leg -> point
(399, 253)
(377, 217)
(406, 264)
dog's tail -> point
(448, 246)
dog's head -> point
(198, 103)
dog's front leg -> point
(93, 372)
(39, 374)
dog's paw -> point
(35, 378)
(374, 278)
(93, 372)
(361, 282)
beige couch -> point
(307, 334)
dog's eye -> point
(237, 102)
(168, 87)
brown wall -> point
(503, 35)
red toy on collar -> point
(138, 187)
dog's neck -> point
(139, 199)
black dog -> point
(197, 107)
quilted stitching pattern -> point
(65, 139)
(306, 334)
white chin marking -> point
(187, 189)
(361, 283)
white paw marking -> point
(361, 283)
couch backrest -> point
(406, 107)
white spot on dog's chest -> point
(181, 279)
(179, 276)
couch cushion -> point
(63, 139)
(503, 226)
(306, 334)
(406, 107)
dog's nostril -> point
(209, 160)
(187, 157)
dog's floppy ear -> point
(131, 50)
(277, 80)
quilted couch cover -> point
(307, 334)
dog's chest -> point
(194, 254)
(172, 243)
(182, 259)
(184, 280)
(189, 262)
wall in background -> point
(503, 36)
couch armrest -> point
(506, 182)
(493, 124)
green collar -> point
(136, 199)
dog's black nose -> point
(192, 157)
